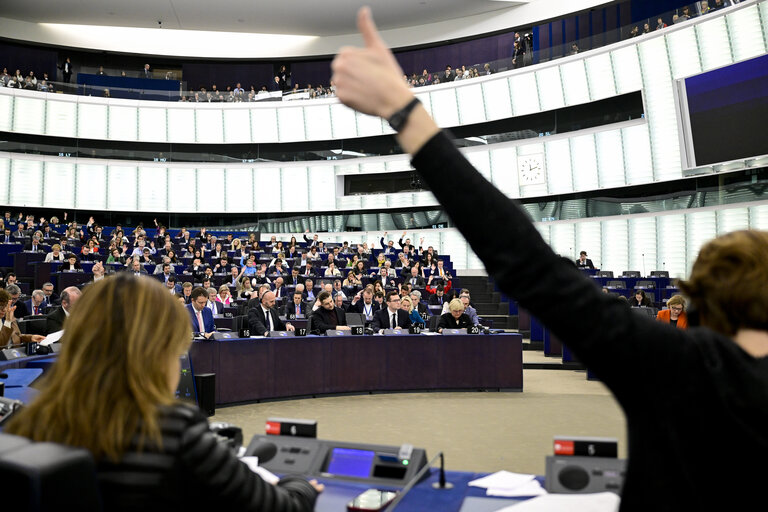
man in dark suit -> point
(36, 305)
(199, 314)
(263, 317)
(7, 238)
(51, 297)
(366, 307)
(15, 292)
(55, 320)
(34, 245)
(392, 317)
(415, 280)
(327, 315)
(583, 261)
(416, 300)
(295, 308)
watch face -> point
(531, 169)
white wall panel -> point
(670, 243)
(153, 188)
(610, 159)
(563, 239)
(59, 184)
(211, 189)
(525, 96)
(471, 105)
(626, 69)
(745, 32)
(343, 121)
(758, 215)
(5, 176)
(481, 161)
(91, 187)
(550, 88)
(615, 246)
(152, 124)
(369, 126)
(600, 75)
(181, 125)
(642, 244)
(26, 176)
(733, 219)
(61, 118)
(574, 79)
(701, 227)
(267, 188)
(264, 125)
(6, 112)
(318, 122)
(239, 191)
(123, 123)
(498, 104)
(683, 53)
(504, 170)
(182, 189)
(295, 189)
(714, 44)
(322, 188)
(444, 107)
(290, 122)
(637, 154)
(584, 162)
(92, 121)
(237, 126)
(588, 235)
(122, 187)
(559, 176)
(209, 125)
(29, 114)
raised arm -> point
(602, 331)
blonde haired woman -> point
(675, 315)
(455, 318)
(407, 305)
(55, 254)
(111, 392)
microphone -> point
(264, 450)
(441, 483)
(418, 476)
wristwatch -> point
(399, 118)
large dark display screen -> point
(727, 112)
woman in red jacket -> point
(675, 315)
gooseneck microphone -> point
(441, 483)
(418, 476)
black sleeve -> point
(376, 324)
(213, 469)
(443, 322)
(614, 342)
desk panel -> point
(267, 368)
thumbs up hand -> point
(369, 79)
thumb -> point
(367, 28)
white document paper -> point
(502, 480)
(532, 488)
(265, 474)
(52, 338)
(598, 502)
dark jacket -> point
(193, 471)
(381, 320)
(321, 320)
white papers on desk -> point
(52, 338)
(509, 485)
(265, 474)
(598, 502)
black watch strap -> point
(399, 118)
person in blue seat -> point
(696, 400)
(112, 392)
(199, 312)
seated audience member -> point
(51, 298)
(165, 268)
(70, 264)
(338, 301)
(245, 289)
(640, 300)
(422, 309)
(468, 310)
(583, 261)
(436, 299)
(197, 269)
(351, 281)
(406, 304)
(15, 292)
(200, 315)
(10, 333)
(126, 415)
(332, 271)
(455, 318)
(263, 317)
(414, 279)
(173, 286)
(34, 245)
(7, 238)
(338, 290)
(278, 288)
(296, 308)
(295, 279)
(36, 304)
(392, 317)
(675, 315)
(10, 278)
(311, 242)
(224, 296)
(367, 306)
(309, 290)
(186, 292)
(98, 271)
(328, 316)
(439, 273)
(56, 319)
(216, 307)
(136, 268)
(114, 257)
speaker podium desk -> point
(253, 369)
